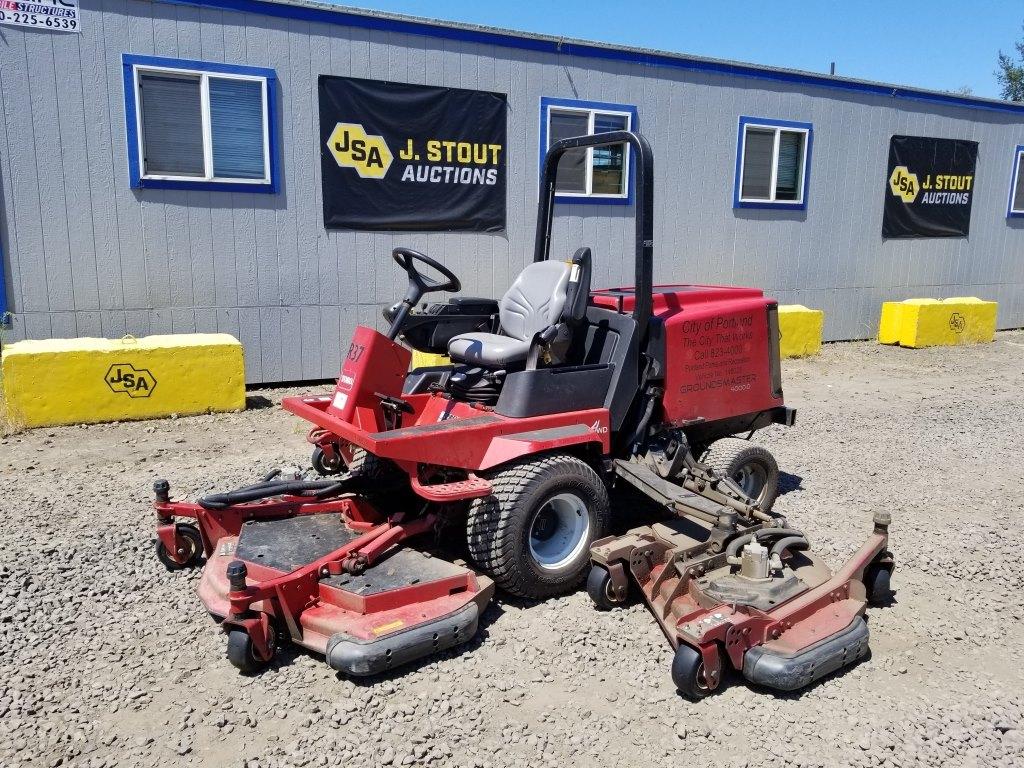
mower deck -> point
(405, 605)
(784, 629)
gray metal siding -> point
(88, 255)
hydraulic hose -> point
(790, 542)
(733, 549)
(264, 491)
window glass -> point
(1018, 190)
(236, 124)
(609, 162)
(172, 126)
(758, 152)
(572, 168)
(789, 177)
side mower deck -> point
(770, 609)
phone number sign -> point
(55, 15)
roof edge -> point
(327, 13)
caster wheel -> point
(689, 674)
(242, 654)
(324, 465)
(877, 584)
(599, 587)
(190, 553)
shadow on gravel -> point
(789, 483)
(257, 402)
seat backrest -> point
(535, 300)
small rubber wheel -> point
(242, 654)
(688, 672)
(877, 584)
(324, 465)
(750, 466)
(599, 587)
(188, 555)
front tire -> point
(599, 587)
(750, 466)
(242, 654)
(690, 675)
(533, 533)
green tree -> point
(1010, 74)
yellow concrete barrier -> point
(427, 360)
(799, 330)
(71, 381)
(930, 322)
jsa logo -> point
(597, 428)
(352, 147)
(135, 382)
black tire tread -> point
(723, 454)
(490, 521)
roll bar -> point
(644, 203)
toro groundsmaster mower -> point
(556, 394)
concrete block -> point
(73, 381)
(800, 330)
(919, 323)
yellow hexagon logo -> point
(904, 184)
(353, 148)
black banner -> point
(407, 157)
(929, 186)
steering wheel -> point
(406, 258)
(419, 284)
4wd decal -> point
(127, 379)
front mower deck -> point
(405, 605)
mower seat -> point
(547, 294)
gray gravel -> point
(106, 659)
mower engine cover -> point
(720, 347)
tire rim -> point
(752, 479)
(559, 531)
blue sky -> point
(942, 44)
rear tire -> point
(533, 533)
(370, 466)
(750, 466)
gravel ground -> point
(109, 660)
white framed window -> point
(1015, 207)
(595, 174)
(772, 163)
(199, 125)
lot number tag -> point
(55, 15)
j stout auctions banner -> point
(411, 157)
(929, 188)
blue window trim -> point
(772, 123)
(129, 61)
(569, 48)
(1010, 213)
(546, 103)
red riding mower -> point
(556, 394)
